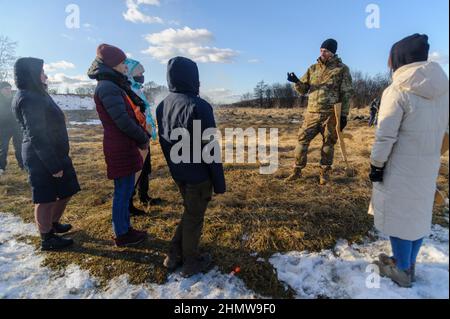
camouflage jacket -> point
(327, 84)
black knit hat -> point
(331, 45)
(4, 85)
(414, 48)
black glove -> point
(343, 122)
(292, 78)
(376, 174)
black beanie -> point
(331, 45)
(414, 48)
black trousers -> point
(5, 137)
(196, 198)
(143, 185)
(144, 179)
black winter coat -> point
(179, 110)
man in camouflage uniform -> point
(328, 82)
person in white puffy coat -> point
(405, 159)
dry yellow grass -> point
(259, 214)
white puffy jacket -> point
(414, 116)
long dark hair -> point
(414, 48)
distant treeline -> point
(152, 90)
(366, 89)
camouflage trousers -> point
(315, 123)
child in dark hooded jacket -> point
(182, 110)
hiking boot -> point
(131, 238)
(173, 260)
(296, 175)
(136, 231)
(324, 175)
(386, 260)
(135, 211)
(61, 228)
(400, 277)
(147, 200)
(195, 265)
(52, 242)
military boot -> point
(195, 265)
(296, 175)
(325, 175)
(173, 259)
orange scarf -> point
(137, 112)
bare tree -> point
(366, 88)
(86, 90)
(269, 96)
(246, 97)
(7, 57)
(259, 92)
(154, 92)
(284, 96)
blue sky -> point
(237, 43)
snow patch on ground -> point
(73, 102)
(339, 273)
(22, 276)
(344, 273)
(88, 122)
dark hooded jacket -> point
(178, 111)
(122, 133)
(7, 119)
(45, 148)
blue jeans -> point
(123, 190)
(405, 252)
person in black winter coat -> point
(45, 151)
(196, 179)
(9, 128)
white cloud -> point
(134, 15)
(187, 42)
(175, 22)
(221, 96)
(60, 65)
(185, 37)
(439, 58)
(61, 78)
(129, 55)
(254, 61)
(63, 82)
